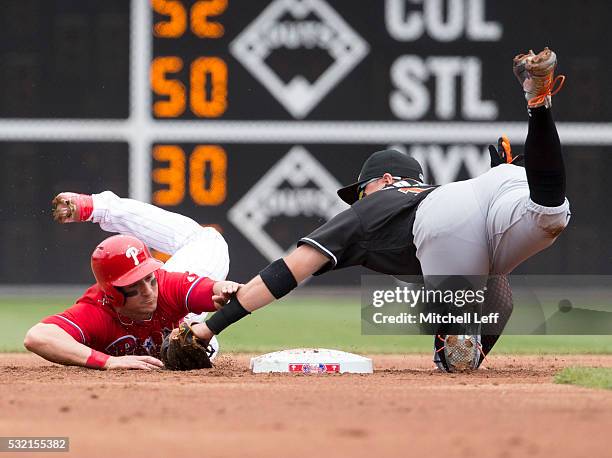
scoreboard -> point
(248, 115)
(393, 60)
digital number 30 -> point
(211, 191)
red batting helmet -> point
(121, 260)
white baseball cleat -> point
(192, 318)
(70, 207)
(457, 353)
(535, 73)
(213, 348)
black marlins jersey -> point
(375, 232)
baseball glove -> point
(181, 350)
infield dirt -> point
(510, 409)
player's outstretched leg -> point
(456, 353)
(543, 158)
(544, 215)
(193, 248)
(160, 229)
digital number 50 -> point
(204, 105)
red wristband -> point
(97, 359)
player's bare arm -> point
(56, 345)
(301, 262)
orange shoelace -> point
(550, 89)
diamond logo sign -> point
(294, 197)
(320, 46)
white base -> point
(311, 361)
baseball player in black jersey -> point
(397, 225)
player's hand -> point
(223, 291)
(146, 363)
(503, 153)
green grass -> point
(301, 322)
(17, 315)
(590, 377)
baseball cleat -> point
(457, 353)
(193, 318)
(70, 207)
(518, 66)
(535, 73)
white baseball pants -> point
(486, 225)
